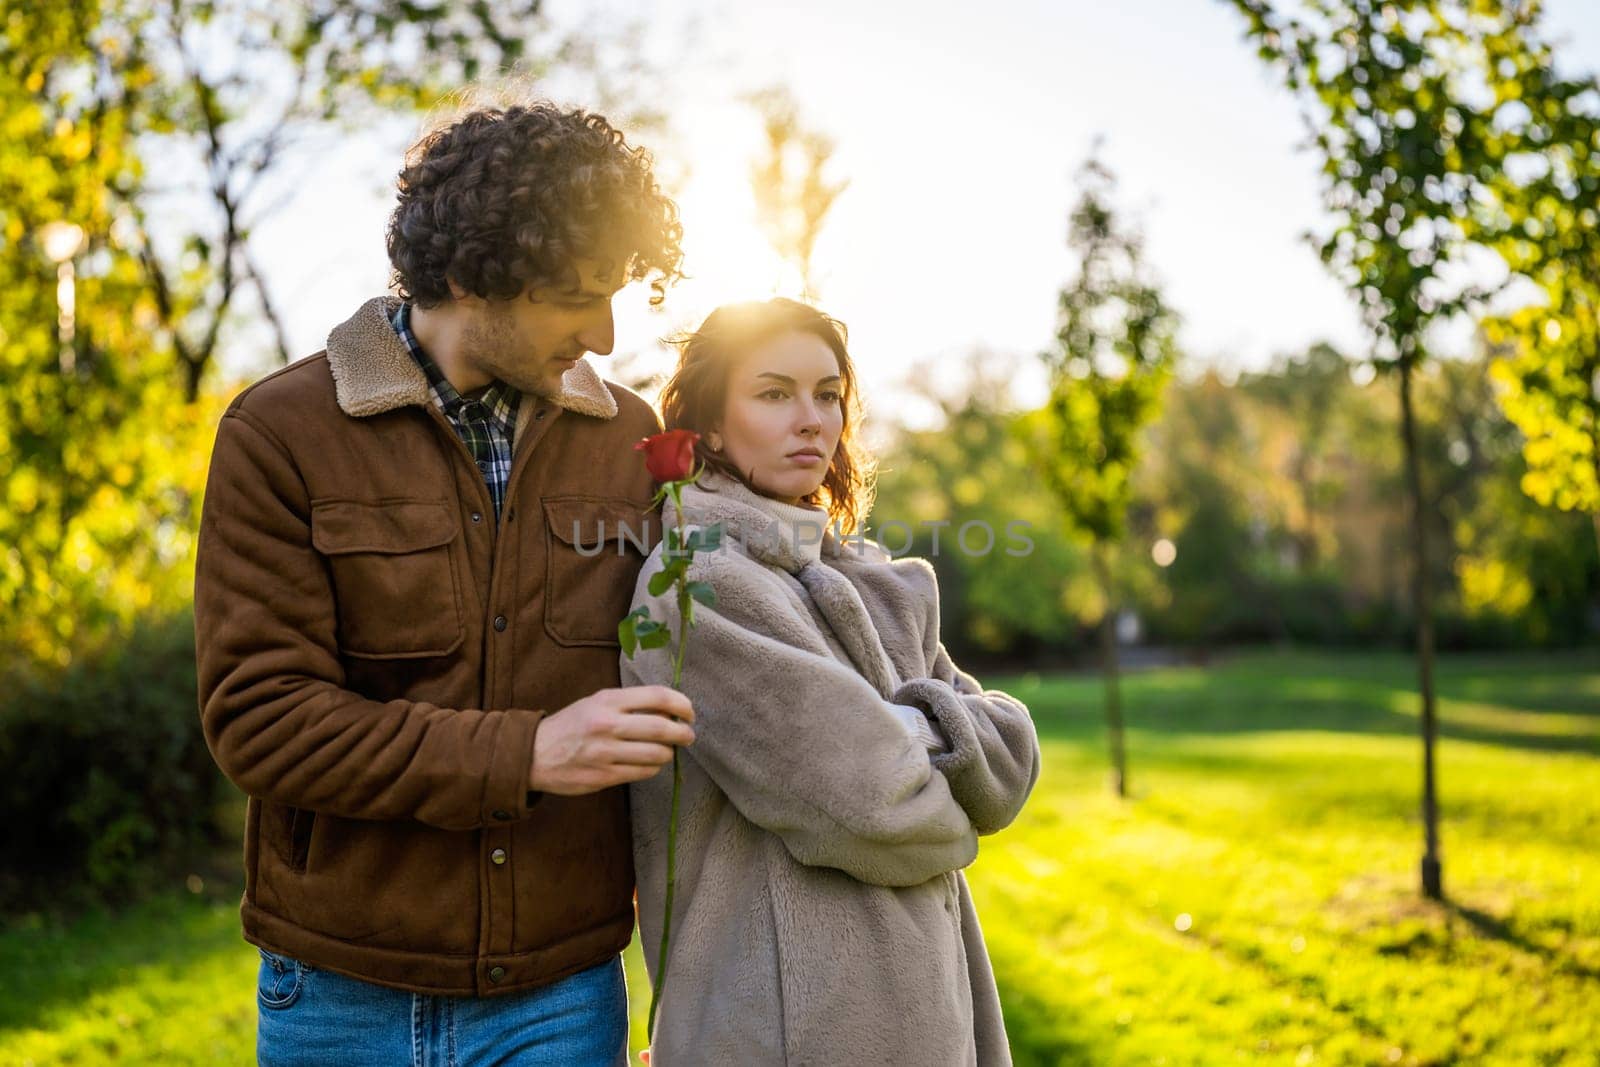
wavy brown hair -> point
(504, 199)
(696, 395)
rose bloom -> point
(669, 456)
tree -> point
(959, 493)
(1116, 347)
(1548, 230)
(1392, 94)
(220, 91)
(792, 189)
(98, 451)
(1306, 389)
(110, 108)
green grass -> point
(166, 982)
(1274, 806)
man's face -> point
(532, 340)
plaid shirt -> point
(485, 423)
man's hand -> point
(609, 738)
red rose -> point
(669, 456)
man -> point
(406, 661)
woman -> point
(843, 767)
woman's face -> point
(784, 415)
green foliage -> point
(662, 580)
(973, 468)
(103, 446)
(1116, 348)
(638, 630)
(1526, 574)
(704, 539)
(1548, 229)
(100, 457)
(1399, 101)
(108, 779)
(1550, 374)
(1284, 497)
(218, 91)
(1284, 524)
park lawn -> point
(1254, 901)
(1256, 898)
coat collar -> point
(373, 373)
(796, 539)
(781, 534)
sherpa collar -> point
(373, 372)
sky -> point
(959, 129)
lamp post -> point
(61, 242)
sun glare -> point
(726, 253)
(727, 257)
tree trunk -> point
(193, 371)
(1594, 436)
(1422, 587)
(1595, 516)
(1108, 648)
(1308, 502)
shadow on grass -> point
(1039, 1031)
(1339, 694)
(1495, 928)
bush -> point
(108, 779)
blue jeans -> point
(312, 1017)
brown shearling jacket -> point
(375, 658)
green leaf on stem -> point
(703, 592)
(708, 538)
(662, 580)
(627, 629)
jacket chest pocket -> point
(593, 550)
(397, 592)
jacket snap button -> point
(498, 855)
(496, 973)
(477, 517)
(500, 623)
(539, 414)
(503, 816)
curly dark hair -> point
(504, 199)
(695, 395)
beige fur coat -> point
(821, 916)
